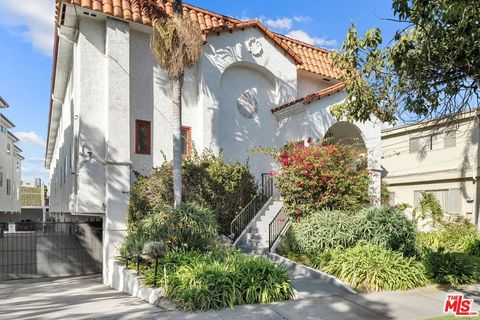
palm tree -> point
(176, 45)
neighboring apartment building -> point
(34, 201)
(10, 165)
(439, 157)
(110, 111)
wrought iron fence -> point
(35, 249)
(253, 207)
(276, 227)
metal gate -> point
(53, 249)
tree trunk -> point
(177, 139)
(177, 126)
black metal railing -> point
(276, 227)
(37, 249)
(245, 216)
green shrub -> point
(190, 226)
(369, 267)
(226, 188)
(429, 208)
(215, 280)
(453, 237)
(320, 231)
(388, 227)
(339, 230)
(451, 268)
(321, 177)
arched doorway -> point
(346, 133)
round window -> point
(247, 105)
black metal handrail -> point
(245, 216)
(276, 227)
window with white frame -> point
(9, 187)
(435, 141)
(450, 199)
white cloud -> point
(33, 20)
(280, 23)
(302, 19)
(305, 37)
(30, 137)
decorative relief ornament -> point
(254, 47)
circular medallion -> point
(247, 105)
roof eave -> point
(8, 124)
(3, 103)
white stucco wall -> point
(309, 83)
(92, 99)
(10, 167)
(228, 69)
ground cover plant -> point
(180, 250)
(368, 267)
(219, 279)
(367, 249)
(452, 237)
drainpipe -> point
(476, 175)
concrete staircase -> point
(255, 238)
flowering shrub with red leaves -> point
(318, 177)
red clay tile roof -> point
(308, 57)
(314, 59)
(313, 97)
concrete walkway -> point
(87, 298)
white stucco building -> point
(111, 108)
(10, 165)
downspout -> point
(476, 173)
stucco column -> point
(375, 169)
(117, 140)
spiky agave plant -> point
(176, 45)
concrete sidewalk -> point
(87, 298)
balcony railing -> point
(245, 216)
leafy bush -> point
(452, 268)
(388, 227)
(217, 280)
(369, 267)
(190, 226)
(226, 188)
(339, 230)
(453, 237)
(429, 208)
(321, 177)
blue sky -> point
(26, 40)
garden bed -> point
(380, 250)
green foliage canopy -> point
(224, 187)
(431, 67)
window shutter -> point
(417, 196)
(450, 139)
(454, 202)
(392, 199)
(414, 145)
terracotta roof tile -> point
(308, 57)
(313, 97)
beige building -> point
(438, 157)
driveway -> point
(87, 298)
